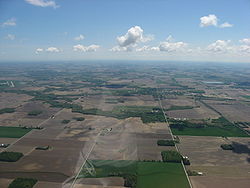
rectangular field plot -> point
(13, 132)
(230, 131)
(161, 175)
(146, 174)
(214, 127)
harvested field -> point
(221, 168)
(21, 117)
(220, 182)
(179, 101)
(206, 151)
(12, 100)
(235, 111)
(43, 184)
(201, 112)
(51, 165)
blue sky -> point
(44, 30)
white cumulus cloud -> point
(10, 22)
(10, 37)
(121, 49)
(226, 24)
(245, 47)
(131, 39)
(245, 41)
(80, 37)
(210, 20)
(43, 3)
(220, 46)
(171, 46)
(147, 48)
(52, 49)
(38, 50)
(134, 35)
(90, 48)
(147, 38)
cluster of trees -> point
(79, 118)
(7, 110)
(166, 143)
(227, 146)
(10, 156)
(146, 115)
(22, 183)
(130, 180)
(35, 112)
(65, 121)
(182, 124)
(174, 156)
(42, 147)
(185, 161)
(171, 156)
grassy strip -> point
(179, 108)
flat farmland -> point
(21, 117)
(199, 111)
(212, 155)
(12, 100)
(178, 101)
(206, 156)
(161, 175)
(54, 165)
(147, 148)
(234, 111)
(150, 174)
(222, 182)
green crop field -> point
(215, 127)
(229, 131)
(161, 175)
(13, 132)
(149, 174)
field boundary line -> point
(86, 158)
(160, 104)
